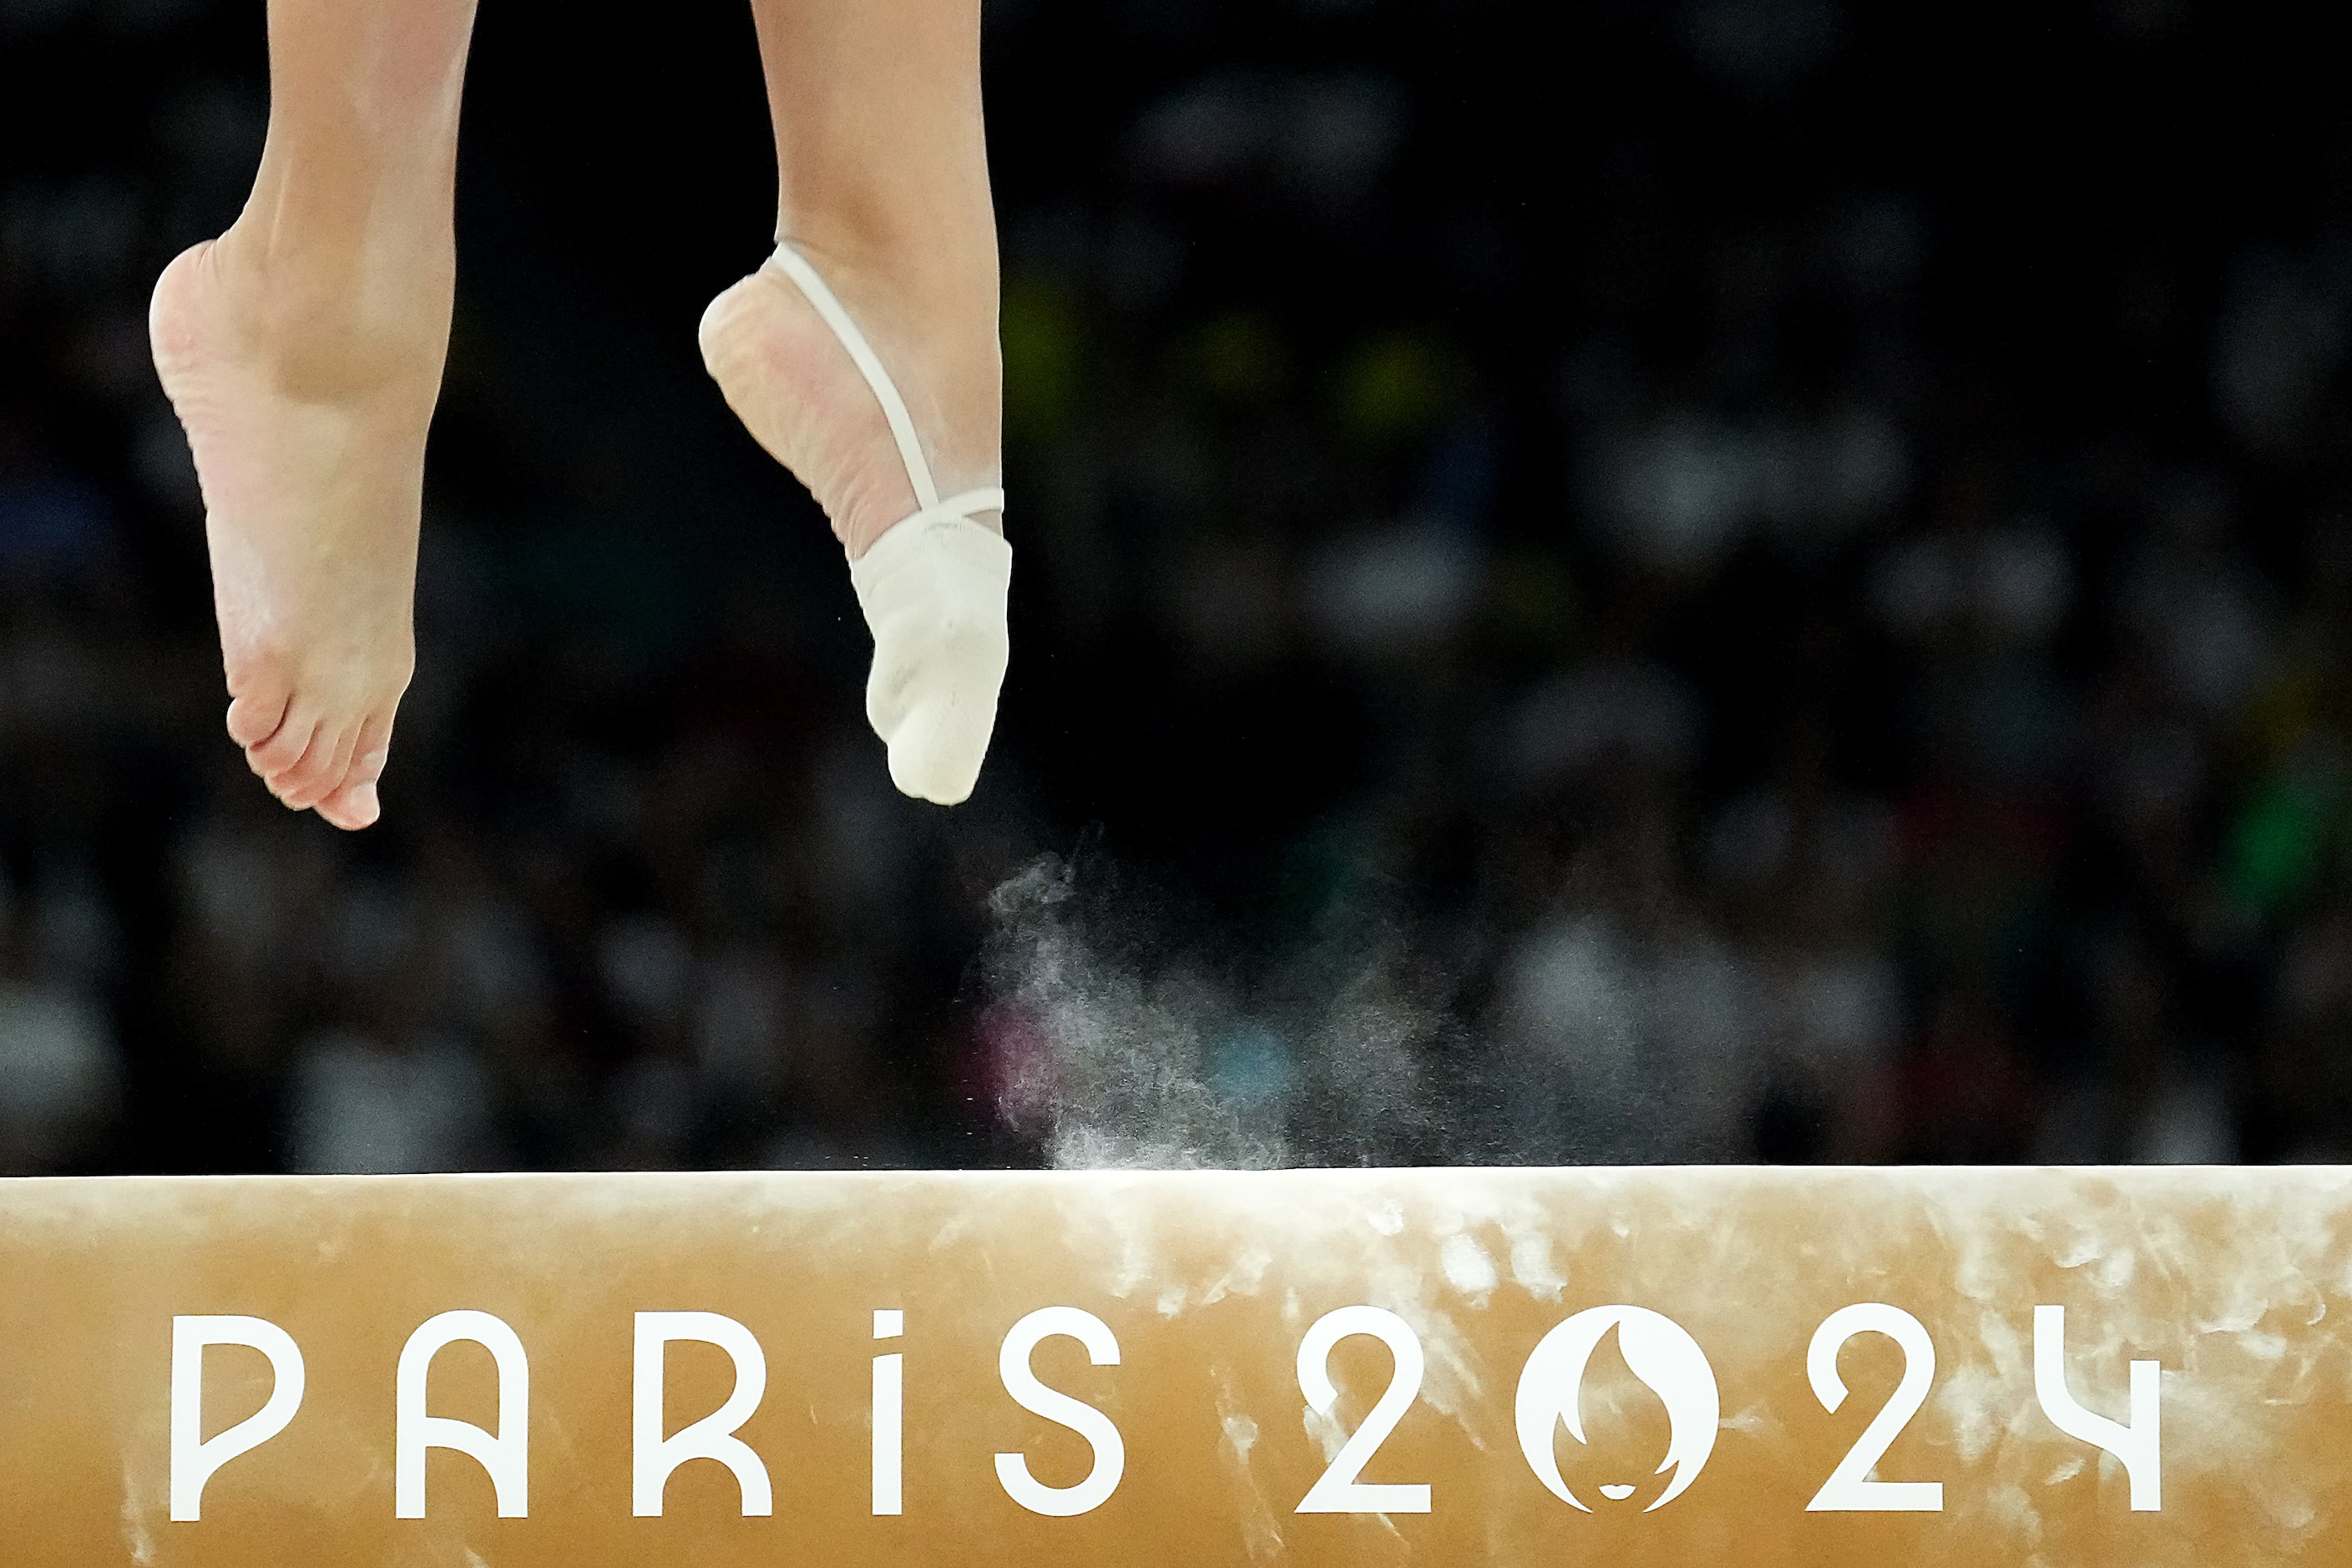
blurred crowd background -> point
(1776, 576)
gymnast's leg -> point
(303, 351)
(883, 181)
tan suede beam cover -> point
(1190, 1442)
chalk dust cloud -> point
(1131, 1031)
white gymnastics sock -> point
(933, 591)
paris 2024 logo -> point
(1657, 1351)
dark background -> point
(1770, 578)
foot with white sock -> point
(896, 437)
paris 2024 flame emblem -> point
(1660, 1352)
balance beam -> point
(1510, 1367)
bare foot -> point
(310, 448)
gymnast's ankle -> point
(336, 323)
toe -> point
(255, 716)
(350, 801)
(373, 750)
(286, 744)
(320, 769)
(353, 806)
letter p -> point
(194, 1457)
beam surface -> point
(1670, 1315)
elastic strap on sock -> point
(796, 266)
(963, 506)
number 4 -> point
(1849, 1487)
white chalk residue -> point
(1467, 1267)
(1127, 1044)
(136, 1535)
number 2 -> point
(1849, 1487)
(1339, 1490)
